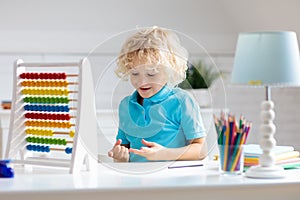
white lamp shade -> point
(267, 59)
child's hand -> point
(119, 153)
(152, 151)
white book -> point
(254, 150)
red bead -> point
(27, 115)
(53, 116)
(22, 75)
(29, 76)
(42, 75)
(47, 75)
(36, 76)
(68, 117)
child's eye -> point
(150, 74)
(134, 73)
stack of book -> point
(285, 156)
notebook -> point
(254, 150)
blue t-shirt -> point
(170, 118)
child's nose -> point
(143, 80)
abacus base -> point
(270, 172)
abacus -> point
(53, 119)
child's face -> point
(147, 79)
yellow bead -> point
(72, 133)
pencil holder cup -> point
(231, 159)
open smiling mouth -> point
(145, 88)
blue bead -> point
(26, 107)
(38, 148)
(29, 147)
(68, 150)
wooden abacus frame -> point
(84, 144)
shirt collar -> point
(161, 95)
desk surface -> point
(161, 183)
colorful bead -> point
(35, 75)
(43, 108)
(48, 124)
(41, 132)
(44, 83)
(72, 133)
(46, 116)
(57, 92)
(41, 140)
(46, 100)
(45, 149)
(68, 150)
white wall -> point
(69, 30)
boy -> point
(159, 121)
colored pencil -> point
(232, 134)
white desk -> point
(184, 183)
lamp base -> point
(265, 172)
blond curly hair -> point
(157, 46)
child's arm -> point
(196, 150)
(119, 152)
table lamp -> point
(266, 59)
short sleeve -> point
(191, 120)
(121, 135)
